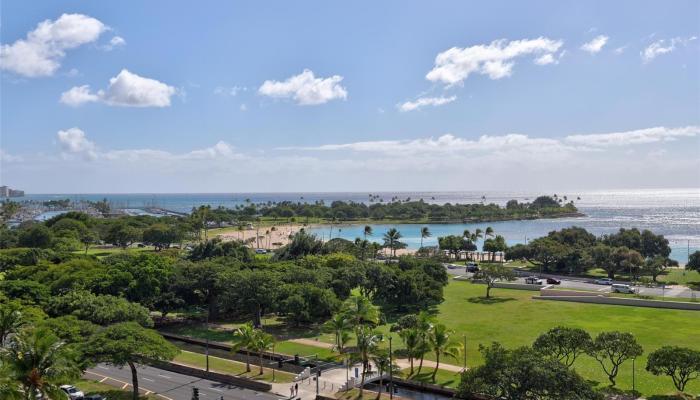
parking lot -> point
(587, 284)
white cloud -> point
(620, 49)
(232, 91)
(663, 46)
(306, 89)
(126, 89)
(116, 41)
(546, 59)
(425, 101)
(640, 136)
(6, 157)
(595, 45)
(74, 141)
(78, 95)
(41, 52)
(496, 59)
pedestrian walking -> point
(291, 392)
(296, 389)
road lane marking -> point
(164, 376)
(147, 379)
(126, 384)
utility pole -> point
(633, 383)
(273, 361)
(391, 372)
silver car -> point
(73, 392)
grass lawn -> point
(514, 319)
(683, 277)
(443, 377)
(224, 366)
(104, 252)
(110, 392)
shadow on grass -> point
(427, 377)
(671, 397)
(489, 300)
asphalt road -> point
(587, 284)
(172, 386)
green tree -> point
(122, 235)
(11, 320)
(98, 309)
(657, 265)
(8, 209)
(494, 245)
(411, 341)
(563, 344)
(127, 343)
(367, 231)
(392, 240)
(367, 343)
(339, 326)
(493, 273)
(40, 363)
(693, 261)
(612, 349)
(523, 374)
(161, 236)
(359, 310)
(89, 237)
(680, 363)
(38, 236)
(261, 343)
(243, 338)
(424, 327)
(441, 344)
(424, 233)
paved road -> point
(172, 386)
(587, 284)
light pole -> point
(633, 383)
(391, 373)
(207, 347)
(273, 361)
(465, 352)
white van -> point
(620, 288)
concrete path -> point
(313, 342)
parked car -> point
(552, 281)
(603, 281)
(260, 251)
(533, 280)
(472, 267)
(621, 288)
(94, 397)
(73, 392)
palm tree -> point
(392, 240)
(261, 343)
(424, 233)
(9, 388)
(367, 343)
(488, 233)
(440, 343)
(40, 363)
(243, 339)
(367, 231)
(411, 341)
(383, 363)
(10, 321)
(359, 310)
(424, 326)
(339, 325)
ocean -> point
(675, 213)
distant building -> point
(8, 192)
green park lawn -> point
(224, 366)
(514, 319)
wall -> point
(223, 378)
(518, 286)
(547, 291)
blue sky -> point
(324, 96)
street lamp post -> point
(273, 361)
(207, 347)
(391, 373)
(633, 382)
(465, 353)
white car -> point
(620, 288)
(603, 281)
(73, 392)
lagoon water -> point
(675, 213)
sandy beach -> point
(268, 237)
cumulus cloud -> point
(639, 136)
(74, 141)
(595, 45)
(116, 41)
(6, 157)
(306, 89)
(663, 46)
(126, 89)
(451, 144)
(41, 52)
(425, 101)
(230, 91)
(496, 60)
(78, 95)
